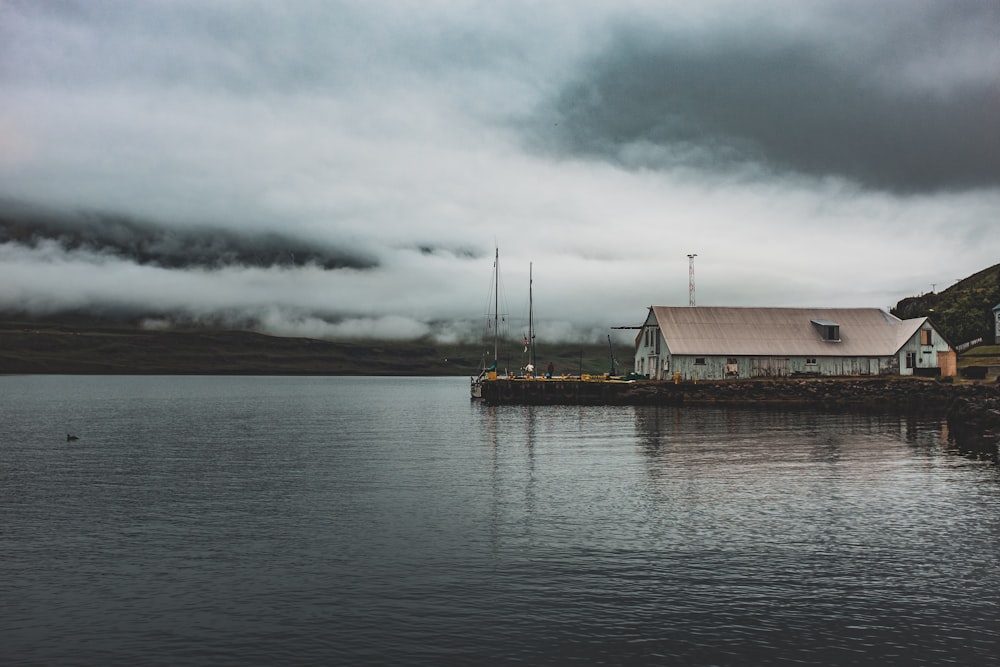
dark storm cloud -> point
(150, 244)
(889, 103)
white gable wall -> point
(921, 350)
(650, 351)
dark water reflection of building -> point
(663, 432)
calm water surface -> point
(265, 521)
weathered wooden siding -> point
(720, 368)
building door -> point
(768, 367)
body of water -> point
(266, 521)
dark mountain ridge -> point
(78, 344)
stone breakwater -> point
(906, 393)
(972, 410)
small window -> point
(911, 359)
(810, 361)
(699, 361)
(828, 330)
(731, 361)
(925, 337)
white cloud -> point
(387, 127)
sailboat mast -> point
(531, 317)
(496, 307)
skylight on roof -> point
(830, 331)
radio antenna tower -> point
(691, 279)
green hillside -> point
(963, 312)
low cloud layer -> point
(344, 169)
(171, 247)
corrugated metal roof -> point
(711, 330)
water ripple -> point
(261, 521)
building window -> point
(925, 336)
(657, 334)
(699, 361)
(810, 361)
(911, 359)
(828, 330)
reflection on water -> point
(391, 521)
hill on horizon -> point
(90, 345)
(963, 312)
(98, 343)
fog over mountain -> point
(341, 169)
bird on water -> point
(71, 437)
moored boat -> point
(489, 371)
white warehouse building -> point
(715, 343)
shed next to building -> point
(699, 342)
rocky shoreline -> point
(974, 422)
(972, 410)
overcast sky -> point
(347, 168)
